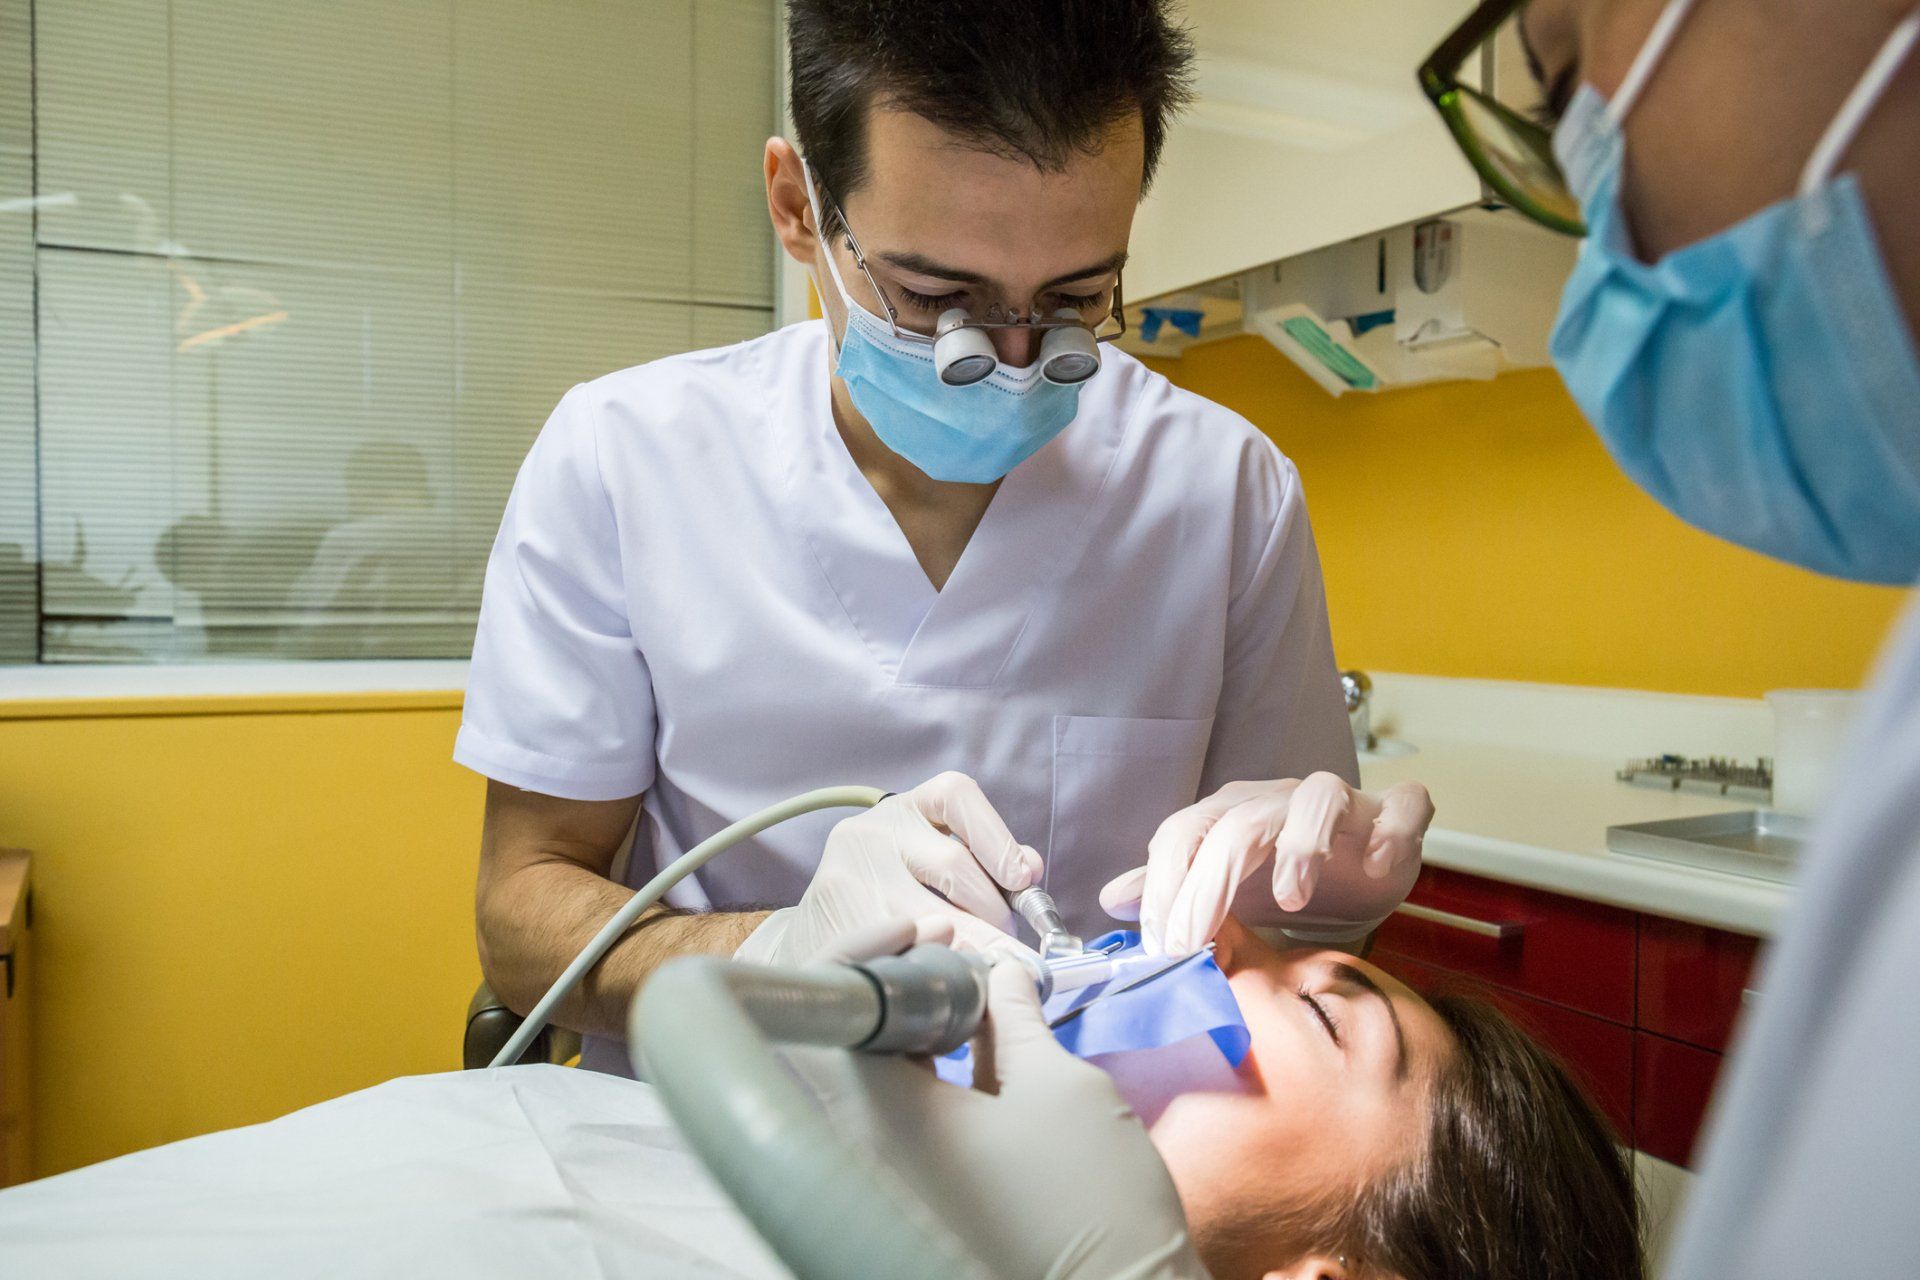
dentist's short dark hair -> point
(1041, 80)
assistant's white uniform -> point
(695, 594)
(1813, 1155)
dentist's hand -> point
(886, 863)
(1342, 860)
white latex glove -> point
(1041, 1169)
(1342, 860)
(885, 938)
(884, 865)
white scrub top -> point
(696, 595)
(1813, 1155)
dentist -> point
(948, 532)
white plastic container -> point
(1809, 734)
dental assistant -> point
(1740, 330)
(1078, 604)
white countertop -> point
(84, 680)
(1540, 818)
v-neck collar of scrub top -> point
(1031, 537)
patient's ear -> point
(1314, 1266)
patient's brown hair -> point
(1521, 1177)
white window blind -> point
(19, 592)
(311, 274)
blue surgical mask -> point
(970, 435)
(1761, 383)
(973, 434)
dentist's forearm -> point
(535, 920)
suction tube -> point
(701, 1029)
(682, 867)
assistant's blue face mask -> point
(971, 435)
(1761, 383)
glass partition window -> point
(286, 291)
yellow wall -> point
(1479, 529)
(239, 913)
(246, 906)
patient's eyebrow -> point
(1361, 979)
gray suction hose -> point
(655, 889)
(701, 1029)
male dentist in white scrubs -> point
(1740, 330)
(1077, 606)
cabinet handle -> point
(1501, 930)
(1747, 996)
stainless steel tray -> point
(1763, 844)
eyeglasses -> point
(958, 328)
(1512, 153)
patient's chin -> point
(1158, 1082)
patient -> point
(1370, 1133)
(1367, 1135)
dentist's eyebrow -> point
(1359, 978)
(920, 264)
(1113, 262)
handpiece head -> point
(1036, 906)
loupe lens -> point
(964, 371)
(962, 355)
(1068, 355)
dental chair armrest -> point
(490, 1024)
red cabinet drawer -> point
(1599, 1053)
(1672, 1083)
(1572, 953)
(1691, 980)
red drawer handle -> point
(1500, 930)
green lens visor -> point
(1496, 128)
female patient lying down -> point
(1367, 1134)
(1370, 1133)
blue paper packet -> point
(1193, 1000)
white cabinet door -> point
(1310, 128)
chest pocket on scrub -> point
(1115, 779)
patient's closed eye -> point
(1320, 1012)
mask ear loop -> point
(1860, 103)
(820, 234)
(1665, 28)
(892, 317)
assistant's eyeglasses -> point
(1512, 153)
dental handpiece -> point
(931, 999)
(1037, 907)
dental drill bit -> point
(1036, 906)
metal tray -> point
(1763, 844)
